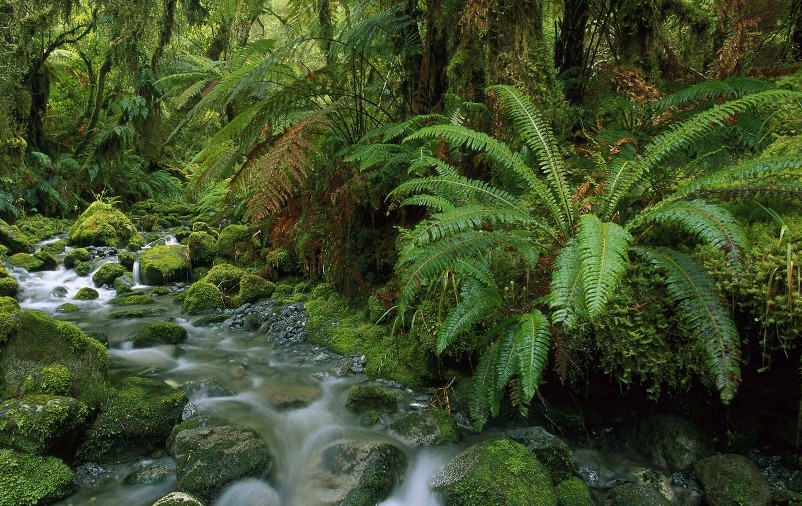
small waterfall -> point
(137, 281)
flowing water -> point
(288, 395)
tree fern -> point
(695, 294)
(602, 249)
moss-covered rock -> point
(50, 380)
(26, 480)
(196, 422)
(635, 494)
(496, 472)
(86, 293)
(127, 259)
(202, 226)
(15, 240)
(202, 248)
(8, 304)
(253, 288)
(36, 340)
(56, 247)
(83, 268)
(202, 297)
(733, 480)
(103, 225)
(42, 424)
(161, 265)
(225, 277)
(178, 499)
(137, 312)
(67, 307)
(124, 284)
(107, 273)
(208, 459)
(135, 421)
(160, 291)
(667, 440)
(132, 299)
(75, 257)
(552, 451)
(429, 427)
(26, 261)
(40, 227)
(234, 244)
(160, 333)
(573, 492)
(365, 398)
(9, 287)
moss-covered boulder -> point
(178, 499)
(358, 473)
(552, 451)
(667, 440)
(132, 299)
(202, 226)
(202, 297)
(196, 422)
(42, 424)
(83, 268)
(40, 227)
(733, 480)
(136, 420)
(127, 259)
(9, 287)
(137, 312)
(160, 333)
(161, 265)
(429, 427)
(496, 472)
(225, 277)
(67, 307)
(234, 244)
(573, 492)
(371, 398)
(253, 288)
(41, 261)
(107, 273)
(55, 247)
(208, 459)
(124, 284)
(86, 293)
(75, 257)
(26, 480)
(8, 304)
(202, 248)
(15, 240)
(49, 380)
(35, 341)
(635, 494)
(103, 225)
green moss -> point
(8, 304)
(51, 380)
(279, 260)
(127, 259)
(201, 297)
(67, 307)
(26, 261)
(86, 293)
(75, 257)
(9, 287)
(4, 251)
(160, 333)
(253, 288)
(16, 240)
(161, 291)
(573, 492)
(140, 312)
(234, 244)
(83, 268)
(56, 247)
(202, 248)
(202, 226)
(40, 227)
(107, 273)
(41, 424)
(366, 398)
(164, 264)
(225, 276)
(429, 427)
(103, 225)
(132, 300)
(30, 479)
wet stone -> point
(150, 475)
(205, 388)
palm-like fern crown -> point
(591, 243)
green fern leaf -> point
(532, 344)
(507, 361)
(695, 294)
(603, 249)
(485, 399)
(477, 302)
(565, 294)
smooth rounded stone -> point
(194, 422)
(364, 398)
(496, 472)
(178, 499)
(358, 473)
(290, 395)
(203, 389)
(549, 449)
(59, 292)
(208, 459)
(733, 479)
(666, 440)
(429, 427)
(91, 475)
(42, 424)
(633, 494)
(150, 475)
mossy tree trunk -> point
(570, 47)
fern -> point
(532, 344)
(706, 91)
(694, 293)
(602, 249)
(477, 302)
(485, 399)
(565, 294)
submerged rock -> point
(666, 440)
(158, 333)
(103, 225)
(552, 451)
(150, 475)
(203, 389)
(633, 494)
(371, 398)
(733, 479)
(178, 499)
(428, 427)
(32, 479)
(496, 472)
(164, 264)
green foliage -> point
(26, 480)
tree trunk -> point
(39, 89)
(570, 47)
(432, 82)
(796, 29)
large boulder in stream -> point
(41, 261)
(202, 297)
(135, 420)
(668, 441)
(429, 427)
(555, 453)
(35, 343)
(42, 424)
(209, 458)
(495, 472)
(102, 224)
(162, 265)
(358, 473)
(234, 244)
(16, 240)
(732, 479)
(32, 479)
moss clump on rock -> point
(26, 480)
(226, 277)
(160, 333)
(366, 398)
(8, 304)
(40, 227)
(135, 421)
(75, 257)
(86, 293)
(573, 492)
(139, 312)
(253, 288)
(733, 480)
(16, 240)
(107, 273)
(552, 451)
(164, 264)
(67, 307)
(132, 300)
(202, 248)
(160, 291)
(429, 427)
(234, 244)
(50, 379)
(127, 259)
(42, 424)
(35, 340)
(496, 472)
(26, 261)
(83, 268)
(103, 225)
(56, 247)
(9, 287)
(202, 297)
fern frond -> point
(486, 397)
(539, 138)
(565, 293)
(698, 305)
(414, 123)
(706, 91)
(603, 249)
(431, 201)
(477, 302)
(714, 224)
(507, 361)
(532, 345)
